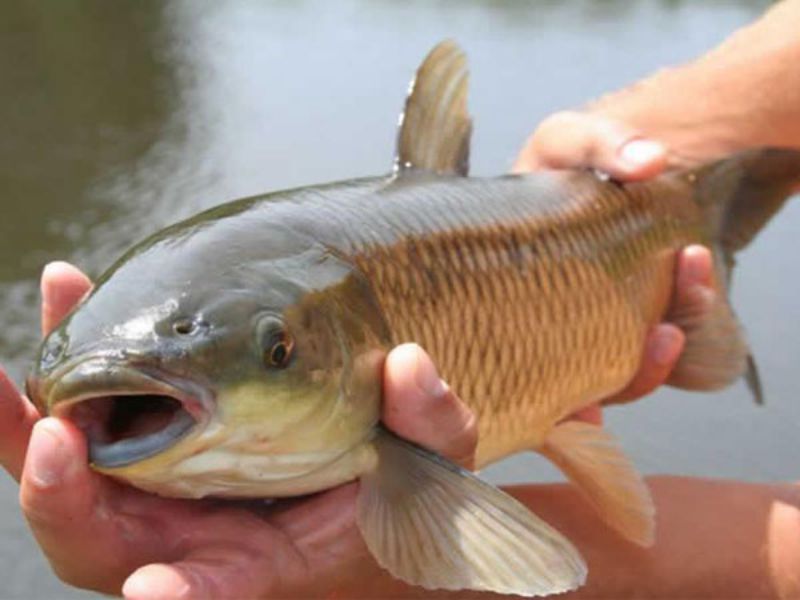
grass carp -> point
(239, 353)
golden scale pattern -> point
(531, 319)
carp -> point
(239, 353)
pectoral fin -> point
(432, 524)
(594, 461)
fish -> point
(240, 353)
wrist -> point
(680, 108)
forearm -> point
(715, 539)
(744, 93)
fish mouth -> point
(132, 415)
(124, 429)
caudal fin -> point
(742, 193)
(739, 196)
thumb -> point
(419, 406)
(62, 287)
(60, 498)
(571, 139)
(225, 570)
(207, 575)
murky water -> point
(118, 118)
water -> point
(119, 118)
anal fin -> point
(594, 461)
(432, 524)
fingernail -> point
(48, 459)
(48, 274)
(641, 152)
(665, 344)
(427, 377)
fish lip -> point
(130, 451)
(118, 380)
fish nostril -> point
(186, 326)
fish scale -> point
(527, 322)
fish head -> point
(199, 369)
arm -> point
(744, 93)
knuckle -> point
(552, 127)
(560, 120)
(69, 575)
(462, 439)
(42, 511)
(38, 517)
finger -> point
(695, 295)
(305, 551)
(420, 407)
(157, 581)
(663, 348)
(62, 501)
(572, 139)
(591, 414)
(695, 268)
(62, 287)
(17, 417)
(223, 571)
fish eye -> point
(275, 342)
(279, 354)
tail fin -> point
(739, 196)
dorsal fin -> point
(435, 126)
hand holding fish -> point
(96, 532)
(423, 517)
(575, 140)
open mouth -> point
(127, 413)
(123, 429)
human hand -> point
(105, 536)
(573, 139)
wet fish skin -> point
(532, 293)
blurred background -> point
(121, 117)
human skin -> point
(744, 93)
